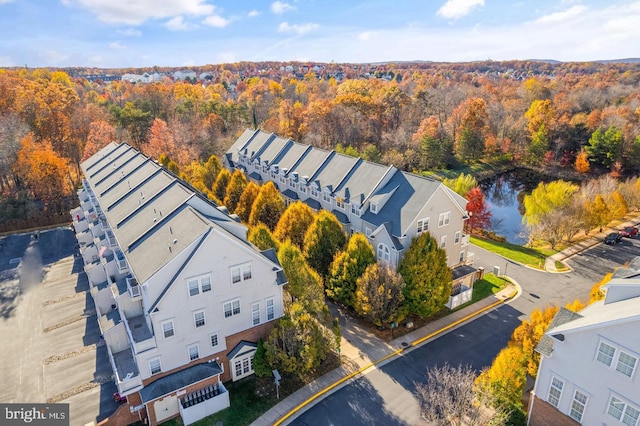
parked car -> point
(613, 238)
(629, 231)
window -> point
(374, 208)
(240, 273)
(383, 252)
(214, 340)
(314, 193)
(340, 203)
(281, 179)
(325, 197)
(461, 258)
(423, 225)
(626, 364)
(555, 391)
(353, 209)
(243, 366)
(199, 285)
(456, 239)
(444, 219)
(606, 353)
(292, 184)
(255, 313)
(167, 329)
(303, 189)
(193, 353)
(198, 318)
(368, 231)
(154, 366)
(622, 411)
(270, 311)
(232, 308)
(578, 405)
(443, 241)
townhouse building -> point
(588, 370)
(388, 205)
(181, 296)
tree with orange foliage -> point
(473, 127)
(101, 133)
(43, 172)
(160, 141)
(582, 164)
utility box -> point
(496, 271)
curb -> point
(412, 345)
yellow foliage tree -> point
(596, 294)
(582, 164)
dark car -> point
(613, 238)
(629, 231)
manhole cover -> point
(405, 344)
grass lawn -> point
(533, 257)
(488, 285)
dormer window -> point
(340, 203)
(314, 192)
(374, 207)
(325, 197)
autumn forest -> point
(574, 120)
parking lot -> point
(51, 347)
(603, 258)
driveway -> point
(54, 353)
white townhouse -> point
(588, 370)
(181, 296)
(389, 206)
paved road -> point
(386, 394)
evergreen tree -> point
(304, 284)
(219, 187)
(245, 204)
(348, 266)
(236, 187)
(322, 241)
(260, 365)
(426, 275)
(261, 237)
(294, 223)
(268, 206)
(379, 294)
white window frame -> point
(383, 252)
(326, 196)
(202, 284)
(444, 219)
(368, 231)
(215, 336)
(624, 408)
(443, 241)
(270, 309)
(340, 203)
(603, 356)
(151, 361)
(553, 386)
(578, 407)
(164, 330)
(242, 272)
(314, 192)
(373, 207)
(193, 355)
(246, 366)
(234, 308)
(457, 237)
(621, 365)
(255, 313)
(196, 319)
(461, 257)
(423, 225)
(612, 356)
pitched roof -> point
(563, 316)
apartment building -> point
(181, 296)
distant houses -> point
(389, 206)
(181, 296)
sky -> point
(177, 33)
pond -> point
(504, 194)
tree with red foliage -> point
(479, 214)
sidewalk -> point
(361, 350)
(585, 244)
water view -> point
(504, 195)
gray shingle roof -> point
(361, 181)
(179, 380)
(334, 170)
(563, 316)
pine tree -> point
(347, 267)
(322, 241)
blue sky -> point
(138, 33)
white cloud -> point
(135, 12)
(253, 13)
(572, 12)
(364, 36)
(285, 27)
(5, 2)
(216, 21)
(454, 9)
(130, 32)
(280, 7)
(116, 45)
(177, 24)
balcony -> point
(470, 258)
(125, 369)
(111, 239)
(203, 402)
(134, 289)
(139, 333)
